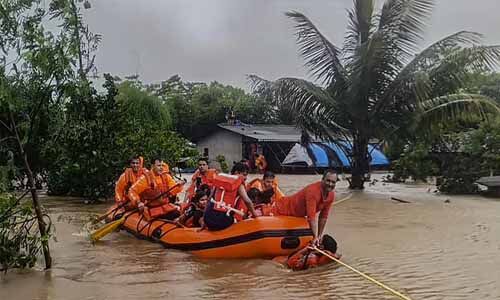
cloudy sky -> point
(206, 40)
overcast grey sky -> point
(206, 40)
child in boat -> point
(261, 201)
(192, 215)
(307, 258)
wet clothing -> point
(125, 182)
(306, 203)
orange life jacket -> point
(261, 162)
(161, 206)
(126, 180)
(264, 210)
(258, 183)
(205, 179)
(226, 190)
(305, 259)
(131, 177)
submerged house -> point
(280, 146)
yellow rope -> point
(343, 199)
(362, 274)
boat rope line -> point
(393, 291)
(343, 199)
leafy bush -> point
(479, 156)
(458, 174)
(103, 132)
(415, 163)
(20, 242)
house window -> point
(205, 152)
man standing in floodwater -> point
(314, 198)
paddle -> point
(112, 226)
(109, 227)
(360, 273)
(102, 217)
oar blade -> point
(106, 229)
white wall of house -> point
(222, 142)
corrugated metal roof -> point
(266, 133)
(272, 133)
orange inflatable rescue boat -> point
(263, 237)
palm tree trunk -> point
(31, 183)
(360, 162)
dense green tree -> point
(83, 150)
(146, 126)
(37, 67)
(196, 108)
(378, 85)
(485, 83)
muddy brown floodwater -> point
(426, 249)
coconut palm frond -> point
(314, 109)
(450, 73)
(359, 27)
(451, 108)
(372, 70)
(404, 22)
(321, 56)
(259, 85)
(438, 50)
(444, 59)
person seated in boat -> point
(152, 192)
(128, 178)
(267, 182)
(314, 198)
(229, 191)
(202, 176)
(307, 258)
(261, 201)
(192, 214)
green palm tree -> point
(378, 85)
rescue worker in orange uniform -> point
(314, 198)
(229, 190)
(151, 194)
(128, 178)
(267, 182)
(308, 258)
(200, 177)
(260, 163)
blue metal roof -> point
(322, 159)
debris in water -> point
(400, 200)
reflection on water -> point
(427, 249)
